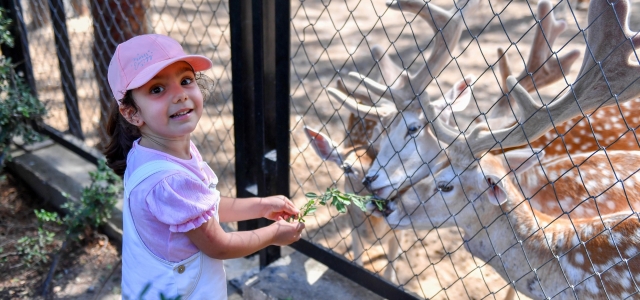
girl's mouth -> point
(181, 113)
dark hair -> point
(123, 133)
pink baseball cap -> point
(139, 59)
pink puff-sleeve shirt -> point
(167, 204)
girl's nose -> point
(180, 94)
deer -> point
(542, 255)
(407, 132)
(397, 164)
(357, 153)
(354, 156)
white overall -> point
(197, 277)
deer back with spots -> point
(587, 258)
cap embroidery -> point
(140, 60)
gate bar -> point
(254, 105)
(58, 20)
(351, 271)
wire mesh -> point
(431, 254)
(452, 246)
(200, 26)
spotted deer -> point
(566, 256)
(540, 255)
(610, 127)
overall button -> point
(181, 269)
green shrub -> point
(97, 201)
(34, 249)
(19, 109)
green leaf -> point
(341, 207)
(379, 204)
(360, 204)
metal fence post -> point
(261, 105)
(58, 20)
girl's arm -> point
(240, 209)
(213, 241)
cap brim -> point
(197, 62)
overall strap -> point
(149, 169)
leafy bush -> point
(34, 250)
(93, 210)
(96, 203)
(19, 109)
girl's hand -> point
(286, 233)
(278, 208)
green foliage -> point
(337, 199)
(33, 250)
(93, 210)
(96, 203)
(47, 216)
(5, 35)
(19, 109)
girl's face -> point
(170, 104)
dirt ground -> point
(89, 269)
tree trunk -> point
(113, 23)
(79, 7)
(39, 13)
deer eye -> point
(444, 187)
(413, 130)
(347, 168)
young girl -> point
(172, 240)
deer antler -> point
(540, 64)
(448, 26)
(606, 77)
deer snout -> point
(368, 180)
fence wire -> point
(200, 26)
(423, 90)
(412, 79)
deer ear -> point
(497, 191)
(522, 159)
(323, 145)
(459, 95)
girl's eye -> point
(444, 187)
(156, 90)
(187, 81)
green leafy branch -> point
(339, 200)
(19, 109)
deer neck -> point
(494, 237)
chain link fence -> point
(364, 49)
